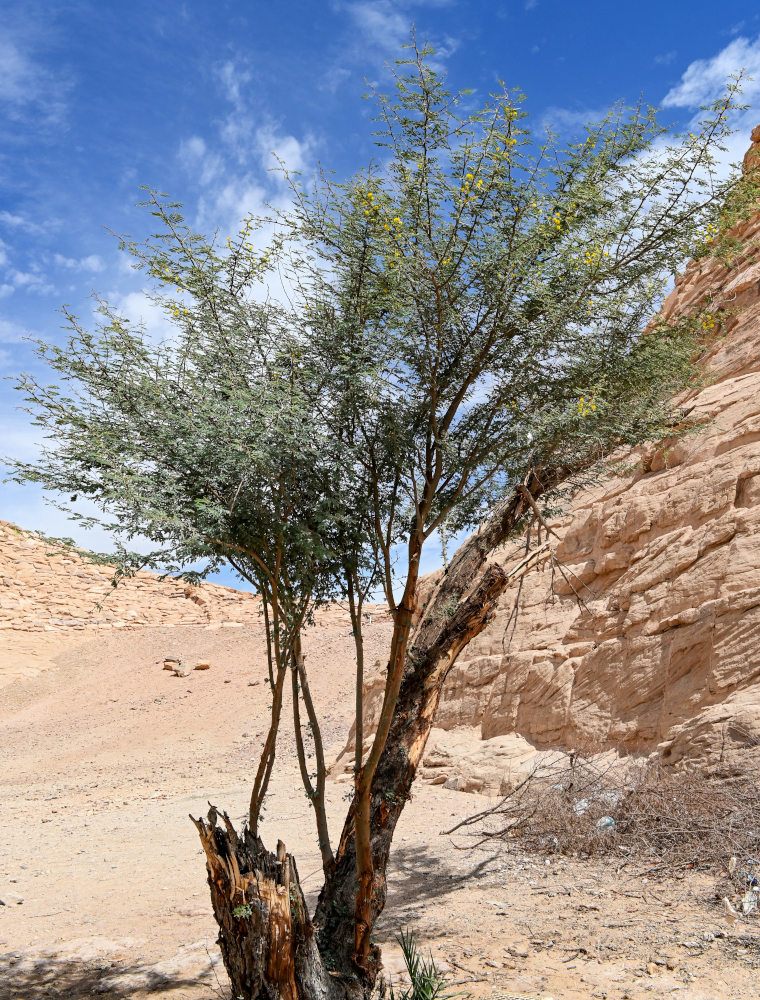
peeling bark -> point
(268, 946)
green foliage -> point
(501, 285)
(427, 982)
(242, 912)
(210, 444)
(472, 309)
(469, 310)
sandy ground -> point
(103, 754)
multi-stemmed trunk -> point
(270, 945)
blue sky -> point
(192, 98)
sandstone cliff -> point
(47, 587)
(643, 635)
(663, 653)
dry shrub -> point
(586, 804)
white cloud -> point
(665, 58)
(275, 148)
(13, 221)
(29, 91)
(92, 263)
(565, 120)
(238, 174)
(231, 202)
(192, 150)
(702, 81)
(12, 333)
(705, 79)
(31, 281)
(233, 76)
(381, 24)
(378, 30)
(140, 310)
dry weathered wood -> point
(272, 949)
(265, 934)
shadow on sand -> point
(418, 877)
(65, 978)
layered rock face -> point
(52, 599)
(647, 638)
(47, 587)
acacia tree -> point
(465, 337)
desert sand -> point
(105, 753)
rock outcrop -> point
(659, 649)
(45, 586)
(642, 635)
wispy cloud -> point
(241, 172)
(16, 221)
(665, 58)
(380, 23)
(702, 82)
(376, 32)
(29, 91)
(30, 281)
(569, 120)
(705, 79)
(13, 333)
(92, 264)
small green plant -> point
(427, 982)
(241, 912)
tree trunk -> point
(271, 949)
(266, 937)
(472, 590)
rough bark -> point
(274, 950)
(268, 946)
(457, 611)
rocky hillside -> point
(45, 586)
(52, 600)
(660, 648)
